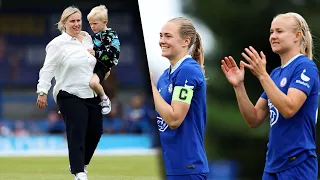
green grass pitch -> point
(100, 168)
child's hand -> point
(91, 51)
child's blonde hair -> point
(99, 12)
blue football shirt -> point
(183, 148)
(292, 140)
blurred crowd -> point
(137, 117)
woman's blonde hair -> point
(300, 24)
(65, 15)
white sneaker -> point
(106, 106)
(85, 169)
(80, 176)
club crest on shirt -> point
(274, 113)
(162, 125)
(170, 88)
(283, 82)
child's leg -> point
(96, 86)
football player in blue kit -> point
(290, 98)
(180, 102)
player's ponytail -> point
(197, 51)
(307, 45)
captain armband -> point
(182, 94)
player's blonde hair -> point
(300, 24)
(187, 30)
(65, 15)
(99, 12)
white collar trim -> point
(291, 60)
(175, 67)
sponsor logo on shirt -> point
(162, 125)
(187, 86)
(304, 79)
(274, 113)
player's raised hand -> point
(232, 72)
(257, 62)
